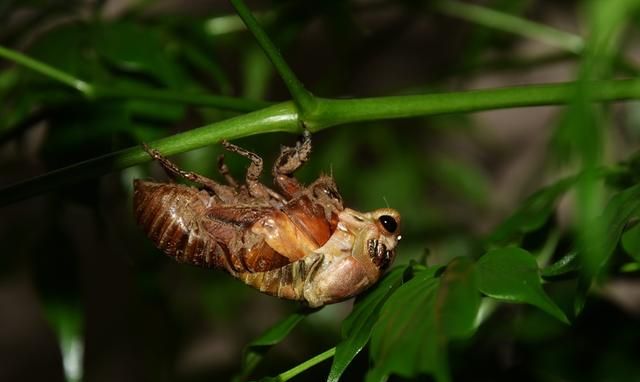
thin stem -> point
(221, 25)
(94, 91)
(509, 23)
(330, 112)
(287, 375)
(302, 97)
(83, 87)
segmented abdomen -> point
(169, 213)
(290, 282)
(188, 225)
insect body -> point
(300, 244)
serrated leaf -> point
(416, 322)
(512, 275)
(356, 329)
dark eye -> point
(389, 223)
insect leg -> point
(224, 171)
(256, 189)
(173, 171)
(290, 159)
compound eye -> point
(389, 223)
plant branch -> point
(302, 97)
(330, 112)
(516, 25)
(512, 24)
(94, 91)
(287, 375)
(37, 66)
(280, 117)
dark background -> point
(78, 278)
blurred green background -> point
(85, 296)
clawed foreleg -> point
(289, 160)
(173, 171)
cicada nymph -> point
(298, 244)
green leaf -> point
(580, 298)
(356, 329)
(621, 207)
(631, 242)
(416, 322)
(567, 264)
(511, 274)
(255, 351)
(458, 299)
(403, 339)
(533, 213)
(67, 322)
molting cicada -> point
(300, 243)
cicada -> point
(300, 243)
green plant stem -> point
(83, 87)
(302, 97)
(287, 375)
(280, 117)
(94, 91)
(516, 25)
(220, 25)
(329, 112)
(512, 24)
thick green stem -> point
(302, 97)
(329, 112)
(287, 375)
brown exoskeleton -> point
(300, 244)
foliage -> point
(472, 279)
